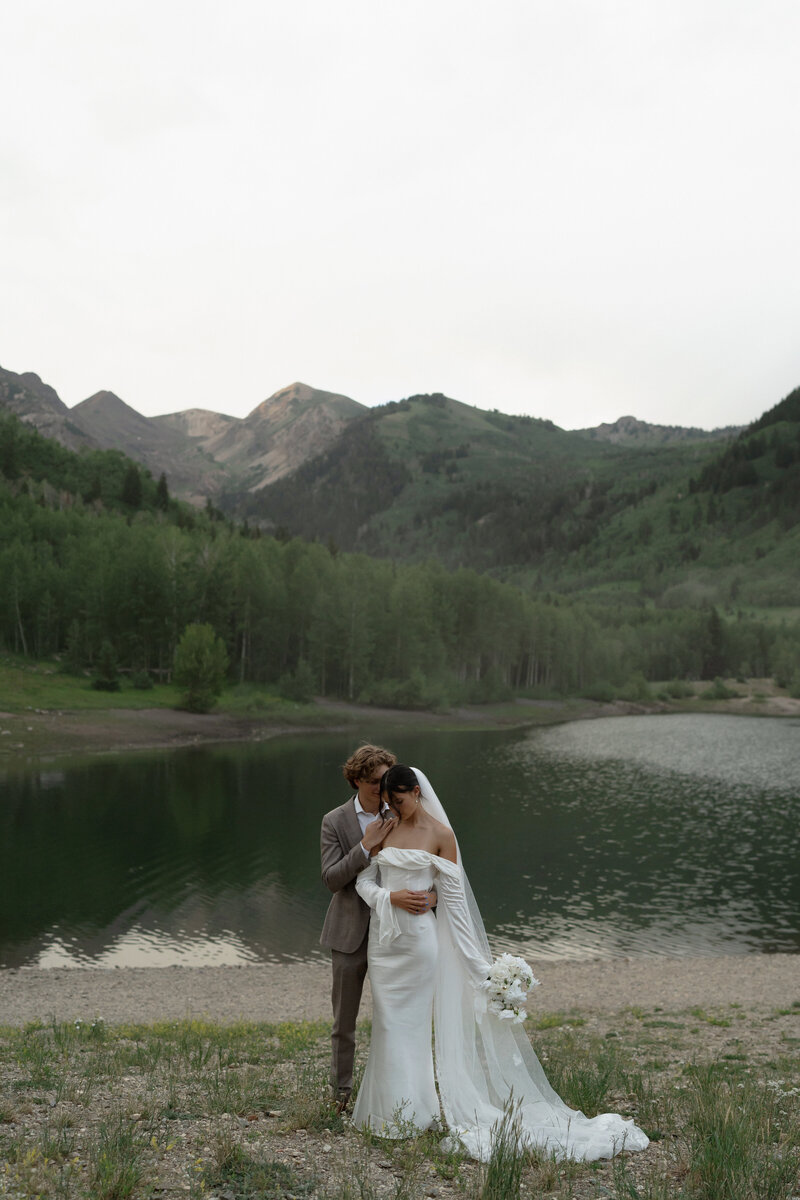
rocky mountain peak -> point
(26, 394)
(630, 431)
(105, 401)
(39, 405)
(34, 384)
(288, 400)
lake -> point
(669, 834)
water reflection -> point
(642, 835)
(673, 834)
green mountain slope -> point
(104, 480)
(728, 533)
(691, 521)
(430, 476)
(93, 551)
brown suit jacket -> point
(347, 918)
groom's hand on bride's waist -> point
(413, 902)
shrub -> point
(413, 692)
(298, 685)
(678, 689)
(489, 689)
(106, 678)
(142, 680)
(718, 691)
(200, 665)
(637, 688)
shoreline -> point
(224, 1109)
(272, 993)
(45, 734)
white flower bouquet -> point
(507, 984)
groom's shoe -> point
(340, 1102)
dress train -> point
(420, 964)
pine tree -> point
(132, 488)
(106, 678)
(714, 647)
(162, 493)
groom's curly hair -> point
(363, 762)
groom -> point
(350, 835)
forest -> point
(94, 551)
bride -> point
(425, 968)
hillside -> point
(725, 531)
(625, 514)
(97, 564)
(38, 405)
(114, 425)
(629, 431)
(200, 452)
(38, 469)
(461, 484)
(685, 522)
(296, 423)
(97, 561)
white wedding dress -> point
(426, 968)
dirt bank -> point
(300, 991)
(43, 733)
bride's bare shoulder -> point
(447, 842)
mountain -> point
(38, 405)
(296, 423)
(681, 523)
(627, 514)
(467, 486)
(191, 474)
(629, 431)
(200, 424)
(200, 452)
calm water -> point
(627, 836)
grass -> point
(96, 1112)
(26, 684)
(503, 1176)
(46, 713)
(234, 1170)
(114, 1167)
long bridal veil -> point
(482, 1062)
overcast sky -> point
(570, 208)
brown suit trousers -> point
(344, 933)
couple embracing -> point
(391, 859)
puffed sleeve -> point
(379, 900)
(453, 907)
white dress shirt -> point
(366, 818)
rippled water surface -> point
(627, 836)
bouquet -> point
(508, 983)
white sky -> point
(570, 208)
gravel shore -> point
(300, 991)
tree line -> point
(101, 562)
(300, 615)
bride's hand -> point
(412, 902)
(375, 832)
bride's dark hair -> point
(398, 778)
